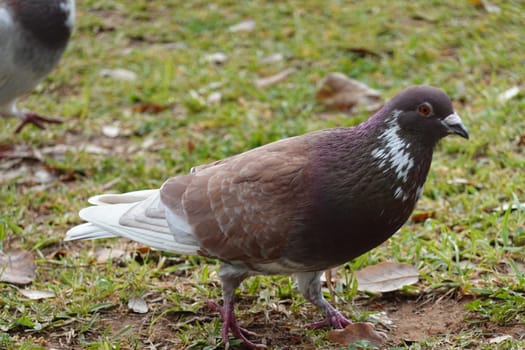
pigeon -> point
(297, 206)
(33, 36)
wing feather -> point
(244, 207)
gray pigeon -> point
(33, 36)
(297, 206)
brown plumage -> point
(296, 206)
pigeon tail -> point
(138, 216)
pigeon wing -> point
(243, 208)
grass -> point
(466, 252)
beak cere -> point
(454, 125)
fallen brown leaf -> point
(191, 146)
(339, 92)
(521, 141)
(148, 107)
(57, 254)
(362, 52)
(423, 215)
(143, 250)
(17, 267)
(386, 277)
(485, 5)
(356, 332)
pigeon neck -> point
(48, 22)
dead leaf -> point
(148, 107)
(217, 58)
(191, 146)
(119, 74)
(36, 294)
(57, 254)
(423, 16)
(104, 254)
(485, 5)
(214, 98)
(111, 131)
(274, 79)
(362, 52)
(465, 182)
(513, 207)
(423, 216)
(500, 339)
(137, 305)
(521, 141)
(17, 267)
(274, 57)
(386, 277)
(357, 332)
(509, 94)
(143, 250)
(339, 92)
(244, 26)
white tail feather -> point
(87, 231)
(126, 215)
(128, 197)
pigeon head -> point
(50, 22)
(425, 113)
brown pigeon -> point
(33, 36)
(297, 206)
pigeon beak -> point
(454, 125)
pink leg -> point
(229, 323)
(37, 120)
(231, 277)
(333, 318)
(309, 284)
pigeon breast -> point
(366, 182)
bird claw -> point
(230, 323)
(36, 120)
(334, 319)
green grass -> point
(467, 252)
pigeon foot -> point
(36, 120)
(229, 322)
(333, 318)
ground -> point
(148, 89)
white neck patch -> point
(69, 8)
(393, 154)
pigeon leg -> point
(231, 279)
(37, 120)
(309, 284)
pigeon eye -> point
(425, 109)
